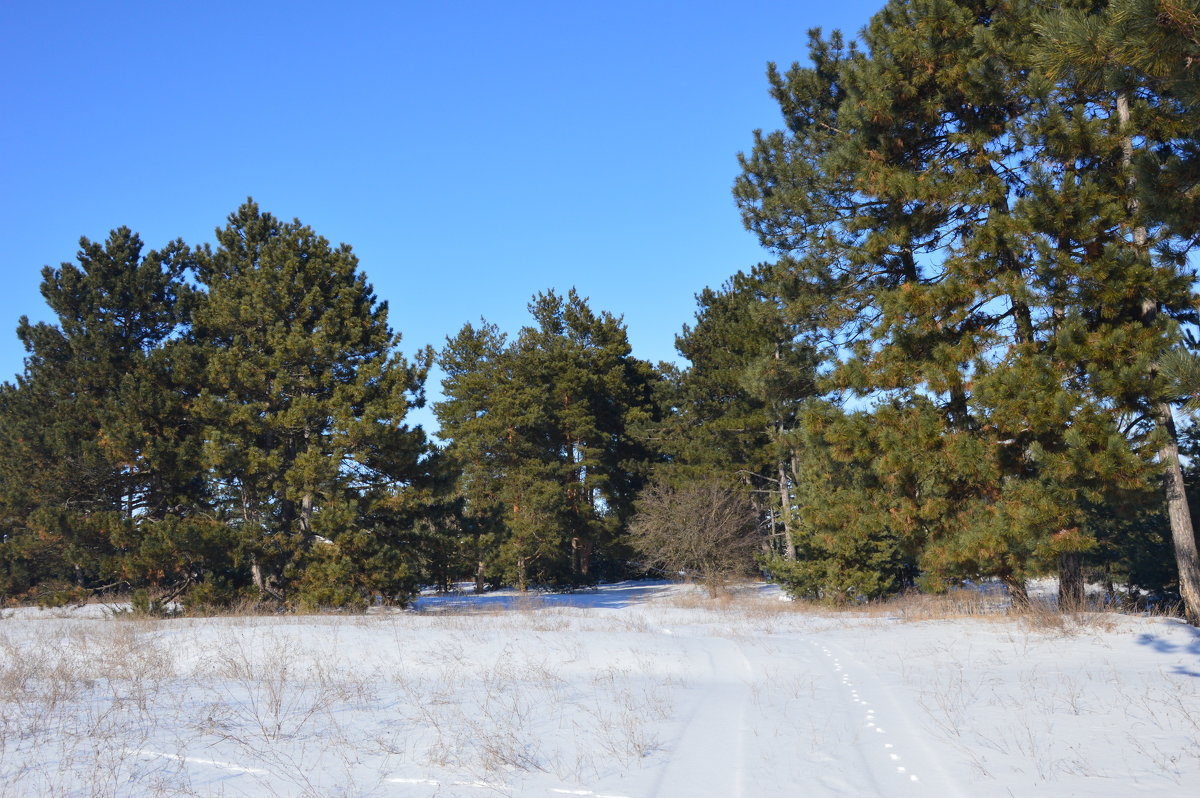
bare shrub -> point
(704, 530)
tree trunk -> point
(768, 541)
(1070, 582)
(1017, 592)
(1110, 590)
(306, 512)
(256, 574)
(1183, 535)
(585, 558)
(306, 501)
(479, 576)
(522, 574)
(789, 542)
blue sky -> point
(471, 153)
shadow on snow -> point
(614, 596)
(1165, 646)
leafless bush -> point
(704, 530)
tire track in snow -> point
(708, 757)
(731, 746)
(502, 789)
(195, 760)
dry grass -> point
(127, 707)
(1013, 717)
(136, 706)
(915, 607)
(1044, 617)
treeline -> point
(960, 365)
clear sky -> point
(472, 153)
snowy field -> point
(635, 690)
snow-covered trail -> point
(709, 755)
(797, 718)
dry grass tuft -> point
(1045, 617)
(952, 605)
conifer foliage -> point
(995, 282)
(97, 453)
(303, 410)
(212, 423)
(735, 408)
(542, 428)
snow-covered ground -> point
(636, 690)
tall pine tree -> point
(98, 451)
(912, 194)
(1135, 60)
(304, 411)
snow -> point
(637, 690)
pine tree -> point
(736, 403)
(849, 546)
(910, 198)
(875, 197)
(304, 410)
(542, 429)
(722, 426)
(474, 377)
(1136, 59)
(99, 452)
